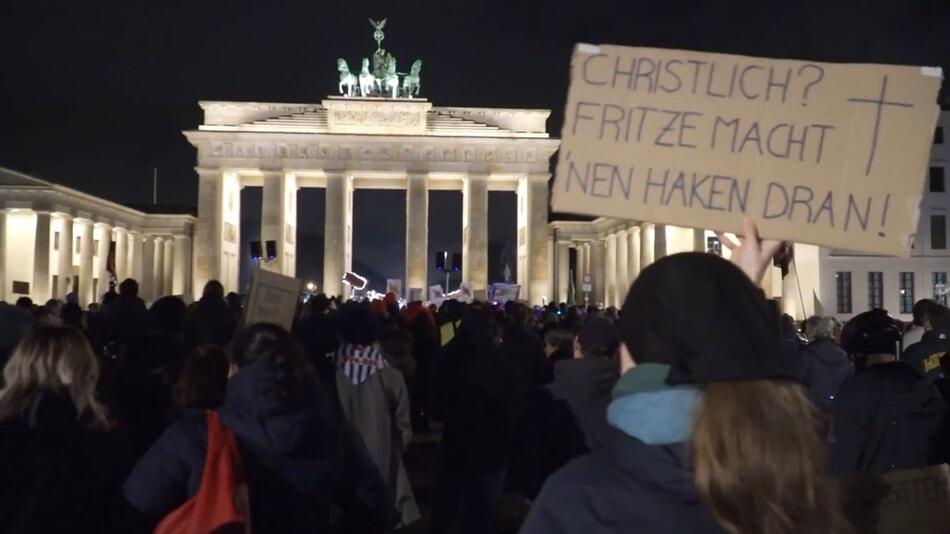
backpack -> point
(221, 504)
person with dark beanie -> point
(714, 433)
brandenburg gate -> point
(347, 143)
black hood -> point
(586, 378)
(253, 412)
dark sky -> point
(94, 94)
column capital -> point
(539, 177)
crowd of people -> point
(694, 408)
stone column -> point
(3, 255)
(633, 254)
(279, 220)
(158, 269)
(39, 291)
(623, 277)
(121, 254)
(180, 279)
(209, 231)
(84, 289)
(610, 272)
(338, 231)
(136, 258)
(417, 233)
(562, 251)
(147, 280)
(646, 245)
(64, 258)
(699, 240)
(536, 230)
(659, 242)
(598, 271)
(579, 270)
(168, 267)
(102, 273)
(475, 233)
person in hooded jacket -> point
(824, 365)
(885, 417)
(925, 355)
(301, 463)
(476, 387)
(714, 433)
(62, 468)
(211, 321)
(585, 381)
(375, 400)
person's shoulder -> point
(588, 470)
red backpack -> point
(221, 504)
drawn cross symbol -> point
(879, 104)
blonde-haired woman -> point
(62, 469)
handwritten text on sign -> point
(831, 154)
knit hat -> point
(704, 318)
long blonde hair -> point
(51, 358)
(760, 462)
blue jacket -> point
(299, 464)
(642, 481)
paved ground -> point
(421, 464)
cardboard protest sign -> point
(823, 153)
(909, 500)
(273, 299)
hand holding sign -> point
(752, 255)
(831, 154)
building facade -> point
(55, 240)
(819, 280)
(343, 144)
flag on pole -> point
(570, 288)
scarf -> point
(359, 363)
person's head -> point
(921, 311)
(872, 337)
(93, 307)
(203, 379)
(818, 328)
(360, 326)
(759, 463)
(938, 318)
(129, 288)
(54, 306)
(51, 359)
(270, 345)
(597, 338)
(557, 339)
(167, 314)
(213, 290)
(109, 297)
(71, 314)
(25, 302)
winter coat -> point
(210, 322)
(59, 474)
(475, 396)
(628, 487)
(299, 463)
(378, 407)
(525, 349)
(642, 481)
(585, 384)
(885, 418)
(925, 356)
(824, 367)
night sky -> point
(95, 94)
